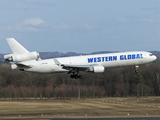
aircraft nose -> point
(154, 57)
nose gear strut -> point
(136, 67)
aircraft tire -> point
(80, 76)
(72, 76)
(136, 71)
(76, 76)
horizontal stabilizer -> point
(23, 65)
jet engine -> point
(97, 69)
(21, 57)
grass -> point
(88, 108)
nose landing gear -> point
(136, 67)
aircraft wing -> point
(91, 68)
(79, 67)
(74, 67)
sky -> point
(82, 26)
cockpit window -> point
(150, 54)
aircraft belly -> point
(45, 69)
(130, 62)
(110, 64)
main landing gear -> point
(76, 76)
(75, 73)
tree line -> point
(114, 82)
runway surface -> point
(112, 119)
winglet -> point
(15, 46)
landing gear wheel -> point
(80, 76)
(73, 76)
(76, 76)
(136, 71)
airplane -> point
(24, 60)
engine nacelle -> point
(21, 57)
(97, 69)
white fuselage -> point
(106, 60)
